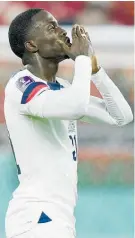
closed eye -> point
(51, 27)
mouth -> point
(67, 41)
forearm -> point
(96, 112)
(115, 103)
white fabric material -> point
(68, 103)
(113, 108)
(48, 230)
(45, 148)
(44, 136)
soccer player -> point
(41, 112)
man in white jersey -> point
(41, 111)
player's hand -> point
(80, 44)
(95, 67)
(91, 49)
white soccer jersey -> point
(41, 120)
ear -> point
(31, 46)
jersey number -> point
(74, 143)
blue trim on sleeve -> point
(28, 90)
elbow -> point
(130, 117)
(80, 109)
(126, 119)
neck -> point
(45, 69)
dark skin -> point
(47, 45)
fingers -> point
(85, 32)
(82, 30)
(87, 36)
(78, 32)
(74, 34)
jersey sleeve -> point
(97, 113)
(113, 108)
(67, 103)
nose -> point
(63, 32)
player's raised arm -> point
(113, 108)
(68, 103)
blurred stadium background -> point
(105, 204)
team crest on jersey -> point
(24, 82)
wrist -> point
(95, 70)
(95, 67)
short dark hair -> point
(19, 29)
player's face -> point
(46, 32)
